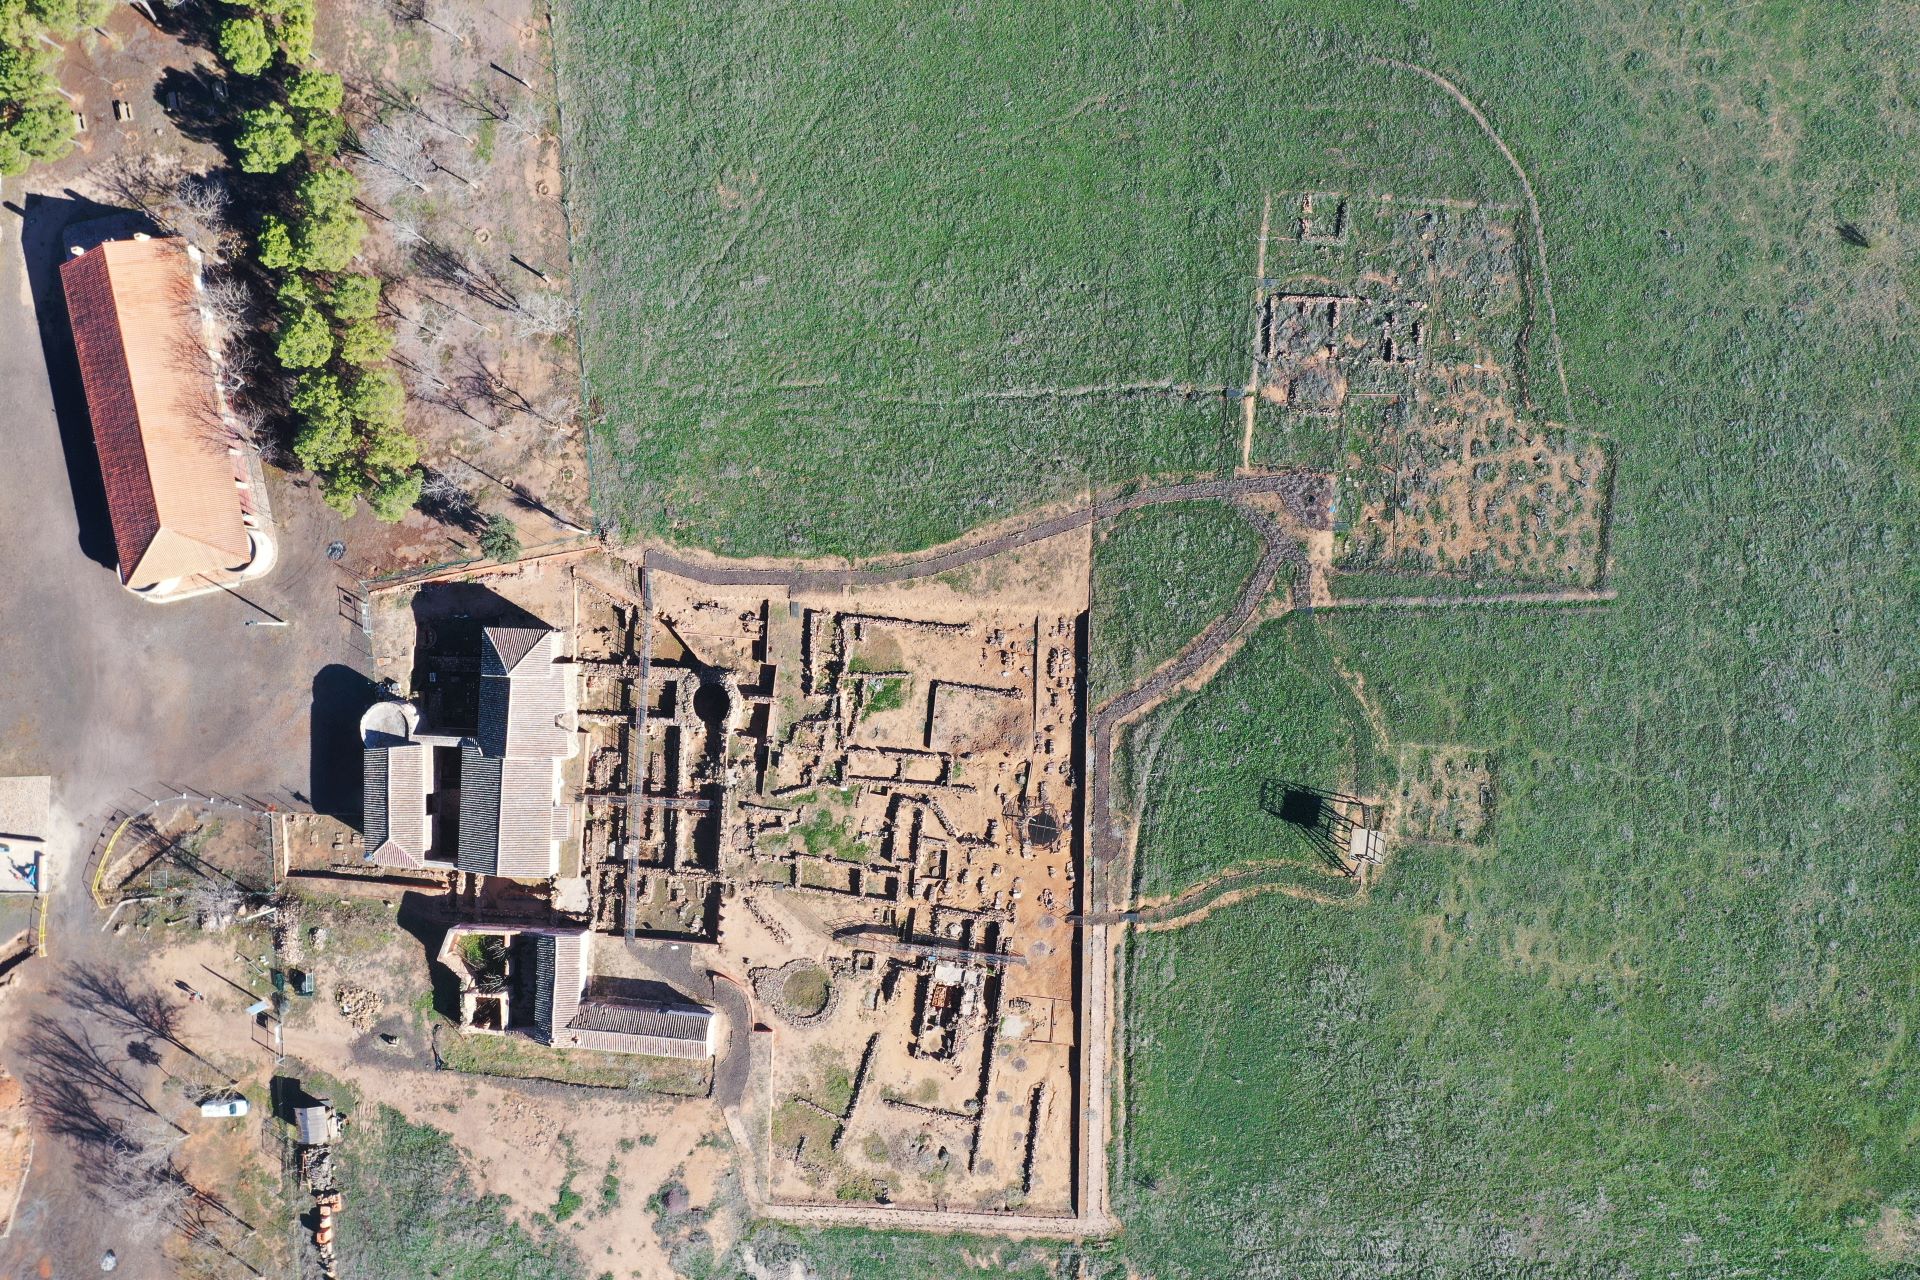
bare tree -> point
(405, 227)
(481, 382)
(483, 102)
(396, 151)
(442, 265)
(144, 1011)
(449, 20)
(140, 180)
(214, 903)
(73, 1077)
(542, 315)
(446, 500)
(195, 209)
(533, 122)
(227, 299)
(559, 409)
(135, 1173)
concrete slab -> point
(26, 816)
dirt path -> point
(1098, 998)
(1533, 207)
(1280, 507)
(959, 555)
(1105, 849)
(1576, 596)
(1221, 890)
(1251, 400)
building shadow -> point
(341, 696)
(44, 225)
(425, 918)
(448, 618)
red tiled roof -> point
(170, 482)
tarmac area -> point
(253, 693)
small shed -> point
(315, 1124)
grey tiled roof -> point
(506, 815)
(394, 812)
(574, 1020)
(479, 850)
(523, 693)
(373, 797)
(643, 1018)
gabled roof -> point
(504, 648)
(573, 1018)
(523, 694)
(507, 815)
(395, 804)
(643, 1018)
(171, 484)
(479, 848)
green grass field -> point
(1204, 772)
(1160, 575)
(862, 280)
(411, 1211)
(1662, 1021)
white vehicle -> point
(224, 1107)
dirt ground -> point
(475, 253)
(521, 1139)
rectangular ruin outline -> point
(1077, 1214)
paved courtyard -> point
(108, 692)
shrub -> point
(393, 494)
(68, 16)
(296, 291)
(388, 447)
(244, 45)
(325, 434)
(35, 121)
(315, 97)
(306, 341)
(365, 342)
(315, 91)
(340, 489)
(293, 25)
(275, 248)
(354, 298)
(377, 398)
(322, 135)
(328, 228)
(266, 143)
(500, 540)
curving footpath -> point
(1299, 492)
(1103, 844)
(1196, 903)
(1292, 487)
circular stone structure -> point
(806, 991)
(800, 991)
(386, 723)
(1043, 829)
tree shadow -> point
(45, 229)
(196, 102)
(341, 696)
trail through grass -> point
(1662, 1020)
(1160, 576)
